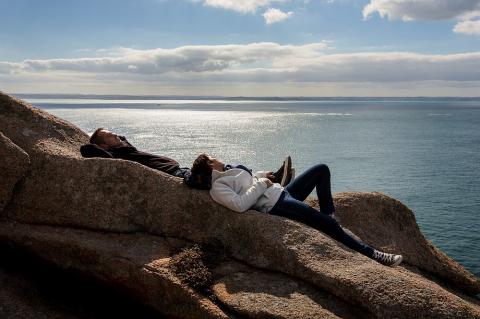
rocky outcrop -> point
(32, 289)
(122, 223)
(137, 262)
(359, 211)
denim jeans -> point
(290, 205)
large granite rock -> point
(360, 211)
(111, 220)
(135, 262)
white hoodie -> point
(240, 191)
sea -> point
(424, 152)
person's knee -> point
(326, 223)
(322, 169)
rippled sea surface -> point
(424, 153)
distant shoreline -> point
(238, 98)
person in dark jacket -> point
(104, 143)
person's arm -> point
(260, 174)
(265, 174)
(93, 150)
(224, 194)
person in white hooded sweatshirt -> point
(237, 188)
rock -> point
(105, 212)
(13, 165)
(35, 130)
(35, 290)
(372, 215)
(20, 299)
(260, 294)
(135, 262)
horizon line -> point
(150, 96)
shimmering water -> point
(424, 153)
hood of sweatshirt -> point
(231, 172)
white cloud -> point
(271, 15)
(243, 6)
(408, 10)
(255, 62)
(275, 15)
(7, 67)
(468, 27)
(256, 69)
(194, 59)
(420, 9)
(470, 15)
(392, 67)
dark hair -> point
(200, 165)
(95, 138)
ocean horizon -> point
(422, 151)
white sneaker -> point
(386, 258)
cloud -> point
(271, 15)
(252, 63)
(420, 9)
(242, 6)
(468, 27)
(391, 67)
(275, 15)
(194, 59)
(5, 67)
(408, 10)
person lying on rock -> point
(106, 144)
(238, 189)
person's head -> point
(204, 164)
(105, 139)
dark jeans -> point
(291, 205)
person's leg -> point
(318, 177)
(292, 208)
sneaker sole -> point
(398, 262)
(287, 167)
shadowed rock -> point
(19, 300)
(33, 289)
(135, 262)
(13, 166)
(105, 196)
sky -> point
(241, 47)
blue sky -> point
(241, 47)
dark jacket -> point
(130, 153)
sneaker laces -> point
(384, 257)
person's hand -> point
(270, 176)
(268, 182)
